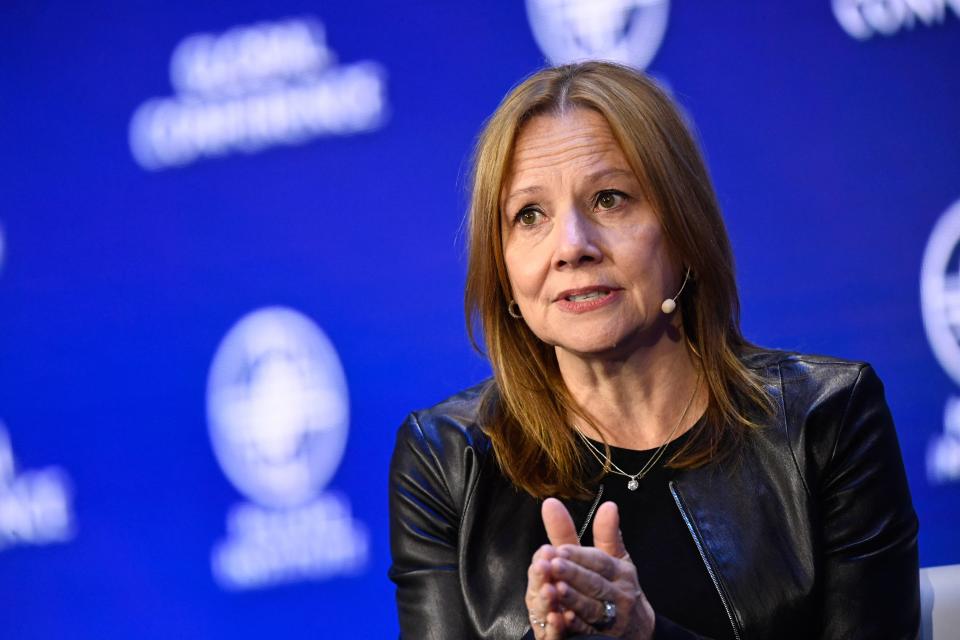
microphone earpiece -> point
(670, 304)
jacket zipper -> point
(586, 523)
(703, 556)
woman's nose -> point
(576, 240)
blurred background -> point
(231, 262)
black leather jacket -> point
(812, 533)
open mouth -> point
(587, 295)
(584, 297)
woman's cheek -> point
(527, 272)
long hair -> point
(526, 412)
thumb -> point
(559, 524)
(606, 531)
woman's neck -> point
(637, 401)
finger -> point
(543, 556)
(589, 583)
(559, 524)
(539, 633)
(578, 625)
(538, 573)
(548, 601)
(545, 552)
(536, 576)
(556, 626)
(540, 604)
(606, 530)
(543, 600)
(593, 560)
(541, 627)
(588, 609)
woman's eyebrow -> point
(533, 189)
(602, 174)
(596, 176)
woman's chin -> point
(611, 344)
(586, 348)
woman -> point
(635, 467)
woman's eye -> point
(609, 199)
(528, 217)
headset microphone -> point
(670, 304)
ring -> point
(609, 616)
(537, 621)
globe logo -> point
(940, 291)
(36, 505)
(277, 407)
(862, 19)
(624, 31)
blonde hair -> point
(526, 412)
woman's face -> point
(586, 256)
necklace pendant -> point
(633, 484)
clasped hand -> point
(567, 584)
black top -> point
(669, 567)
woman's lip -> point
(584, 306)
(584, 290)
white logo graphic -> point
(278, 415)
(862, 19)
(255, 87)
(940, 305)
(624, 31)
(34, 505)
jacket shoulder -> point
(808, 386)
(822, 403)
(792, 365)
(453, 421)
(444, 445)
(811, 383)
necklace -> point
(634, 478)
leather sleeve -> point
(870, 570)
(424, 526)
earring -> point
(510, 309)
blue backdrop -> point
(231, 262)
